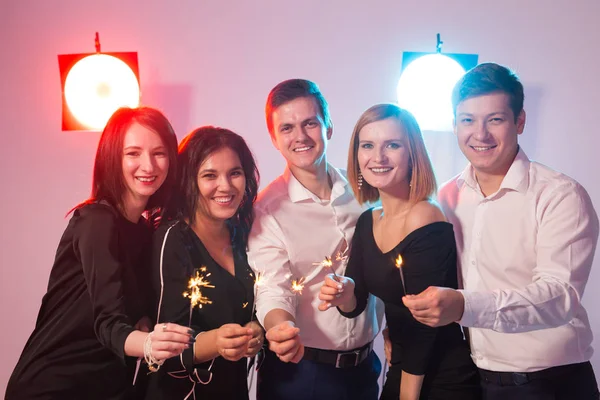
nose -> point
(147, 162)
(301, 134)
(224, 182)
(481, 132)
(380, 155)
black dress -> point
(429, 259)
(98, 289)
(178, 253)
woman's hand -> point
(258, 336)
(232, 341)
(337, 291)
(169, 340)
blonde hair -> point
(422, 178)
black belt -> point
(521, 378)
(340, 359)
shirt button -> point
(472, 262)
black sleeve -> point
(429, 260)
(171, 270)
(96, 241)
(355, 270)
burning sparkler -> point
(195, 285)
(297, 285)
(399, 266)
(327, 263)
(257, 282)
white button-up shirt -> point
(525, 254)
(294, 230)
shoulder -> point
(367, 216)
(423, 213)
(95, 216)
(448, 189)
(271, 195)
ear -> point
(274, 141)
(330, 130)
(454, 125)
(521, 122)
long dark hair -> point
(108, 183)
(194, 149)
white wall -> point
(213, 62)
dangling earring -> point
(360, 180)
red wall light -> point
(94, 85)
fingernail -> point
(340, 290)
(187, 346)
(328, 305)
(337, 296)
(192, 340)
(191, 332)
(340, 286)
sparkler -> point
(399, 266)
(327, 263)
(297, 285)
(195, 285)
(258, 278)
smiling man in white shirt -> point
(526, 237)
(303, 216)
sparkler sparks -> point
(327, 263)
(399, 266)
(297, 285)
(195, 285)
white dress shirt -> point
(294, 230)
(525, 254)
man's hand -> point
(258, 335)
(436, 306)
(284, 340)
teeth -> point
(139, 178)
(299, 149)
(479, 148)
(380, 170)
(223, 199)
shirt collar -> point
(298, 192)
(517, 177)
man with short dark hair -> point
(526, 237)
(303, 216)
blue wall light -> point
(426, 82)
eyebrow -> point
(312, 118)
(134, 147)
(214, 171)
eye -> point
(497, 120)
(285, 129)
(312, 124)
(160, 154)
(132, 153)
(209, 176)
(237, 173)
(466, 121)
(367, 146)
(394, 146)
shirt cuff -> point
(477, 306)
(264, 307)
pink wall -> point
(214, 63)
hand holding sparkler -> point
(258, 336)
(284, 340)
(232, 341)
(337, 293)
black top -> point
(97, 291)
(178, 253)
(429, 259)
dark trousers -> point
(567, 382)
(310, 380)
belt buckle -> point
(340, 355)
(520, 378)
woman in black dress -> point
(402, 247)
(93, 322)
(207, 237)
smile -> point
(483, 148)
(146, 179)
(302, 149)
(381, 170)
(223, 199)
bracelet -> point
(153, 363)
